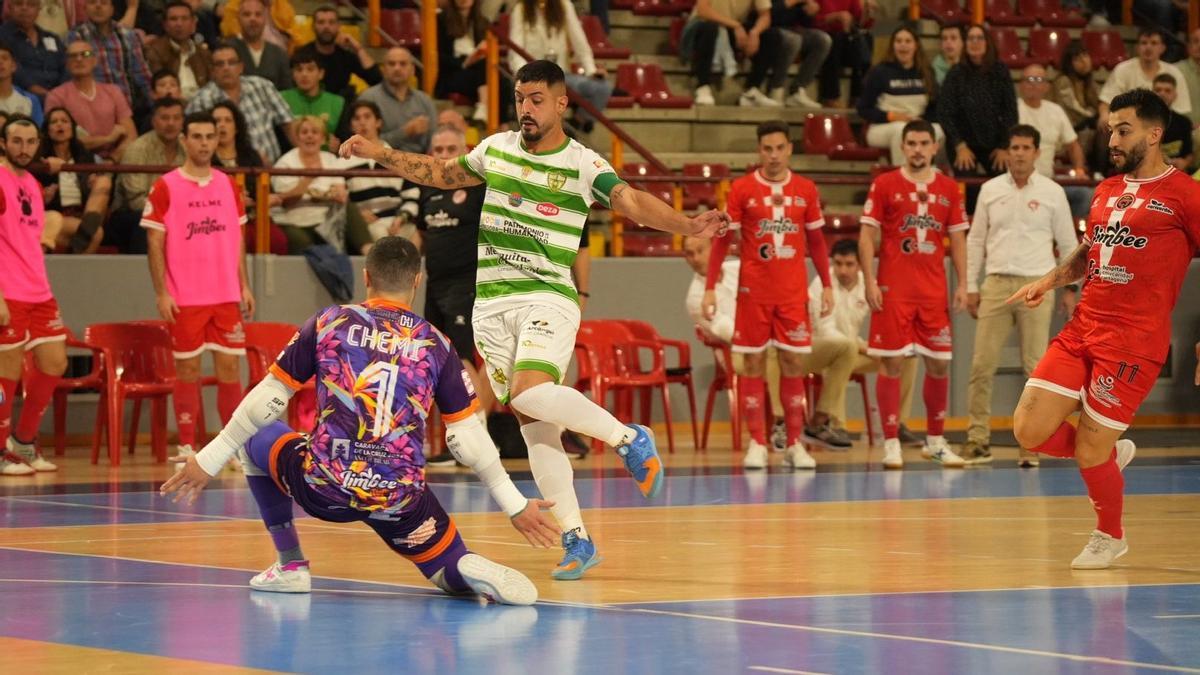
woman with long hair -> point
(234, 150)
(896, 91)
(1075, 88)
(462, 66)
(977, 106)
(76, 203)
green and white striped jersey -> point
(533, 217)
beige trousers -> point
(996, 321)
(836, 359)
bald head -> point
(398, 68)
(695, 252)
(1033, 85)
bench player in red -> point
(1142, 231)
(778, 214)
(914, 208)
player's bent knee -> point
(1032, 430)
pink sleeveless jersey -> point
(24, 265)
(203, 223)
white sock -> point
(553, 473)
(569, 408)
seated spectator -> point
(234, 150)
(309, 98)
(260, 57)
(408, 114)
(161, 146)
(99, 109)
(800, 38)
(40, 53)
(1190, 67)
(257, 98)
(179, 51)
(950, 52)
(143, 16)
(1075, 88)
(977, 106)
(1051, 121)
(386, 203)
(339, 54)
(280, 27)
(119, 59)
(13, 99)
(165, 84)
(747, 24)
(720, 327)
(843, 20)
(549, 29)
(895, 92)
(461, 58)
(1177, 136)
(313, 210)
(1140, 71)
(76, 203)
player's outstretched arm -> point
(1070, 270)
(651, 211)
(443, 174)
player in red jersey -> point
(779, 216)
(914, 208)
(1143, 228)
(29, 318)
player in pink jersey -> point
(778, 214)
(193, 219)
(29, 318)
(914, 208)
(1142, 231)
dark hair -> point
(303, 56)
(1025, 131)
(1166, 78)
(324, 9)
(917, 126)
(393, 263)
(160, 75)
(555, 15)
(920, 62)
(1150, 31)
(457, 25)
(773, 127)
(247, 156)
(198, 117)
(5, 48)
(369, 105)
(17, 120)
(1067, 65)
(178, 3)
(845, 247)
(225, 44)
(952, 26)
(75, 146)
(989, 54)
(1146, 105)
(167, 102)
(541, 71)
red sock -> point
(229, 395)
(39, 391)
(187, 407)
(753, 391)
(7, 389)
(887, 394)
(1106, 488)
(791, 390)
(936, 392)
(1060, 444)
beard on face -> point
(1128, 161)
(917, 163)
(531, 136)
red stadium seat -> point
(648, 86)
(1000, 13)
(703, 193)
(1008, 48)
(675, 33)
(639, 242)
(138, 363)
(945, 11)
(623, 4)
(661, 7)
(1051, 13)
(1106, 47)
(1046, 45)
(660, 189)
(403, 25)
(830, 135)
(601, 47)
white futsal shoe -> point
(496, 582)
(292, 577)
(1100, 552)
(893, 458)
(798, 458)
(1126, 449)
(937, 449)
(29, 453)
(756, 456)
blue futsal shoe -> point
(642, 461)
(579, 556)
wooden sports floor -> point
(845, 570)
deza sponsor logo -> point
(547, 209)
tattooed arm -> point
(422, 169)
(651, 211)
(1070, 270)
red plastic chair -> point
(1106, 47)
(403, 25)
(944, 11)
(675, 33)
(660, 7)
(1009, 49)
(704, 193)
(1052, 13)
(264, 341)
(648, 86)
(1000, 13)
(596, 37)
(830, 135)
(724, 380)
(608, 347)
(812, 385)
(93, 380)
(1046, 45)
(138, 364)
(680, 373)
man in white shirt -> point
(1020, 217)
(1190, 67)
(1050, 120)
(1139, 73)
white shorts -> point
(534, 337)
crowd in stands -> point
(110, 80)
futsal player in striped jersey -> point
(540, 187)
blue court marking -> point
(209, 614)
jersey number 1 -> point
(385, 375)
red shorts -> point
(908, 329)
(32, 323)
(1110, 383)
(203, 327)
(757, 326)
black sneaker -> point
(907, 437)
(974, 452)
(826, 436)
(1028, 460)
(442, 459)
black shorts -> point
(448, 304)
